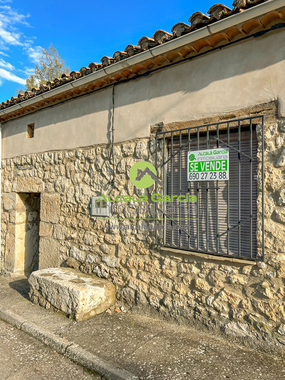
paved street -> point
(24, 358)
(149, 348)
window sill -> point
(208, 257)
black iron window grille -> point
(225, 220)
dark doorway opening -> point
(27, 232)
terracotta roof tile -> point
(85, 71)
(95, 66)
(28, 94)
(243, 4)
(147, 43)
(106, 61)
(66, 78)
(75, 74)
(160, 36)
(57, 82)
(219, 11)
(240, 4)
(51, 84)
(197, 20)
(43, 87)
(180, 28)
(132, 50)
(48, 85)
(35, 91)
(119, 55)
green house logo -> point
(143, 175)
(192, 157)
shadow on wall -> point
(207, 74)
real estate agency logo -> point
(143, 175)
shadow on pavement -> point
(21, 286)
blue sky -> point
(81, 31)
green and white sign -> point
(208, 165)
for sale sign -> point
(208, 165)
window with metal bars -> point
(223, 221)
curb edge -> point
(69, 349)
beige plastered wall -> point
(229, 79)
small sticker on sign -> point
(208, 165)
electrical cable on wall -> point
(112, 135)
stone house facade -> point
(215, 83)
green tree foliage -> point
(50, 66)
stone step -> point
(78, 295)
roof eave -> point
(167, 47)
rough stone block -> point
(77, 295)
(77, 254)
(7, 186)
(50, 208)
(9, 201)
(28, 185)
(237, 329)
(45, 229)
(281, 159)
(49, 253)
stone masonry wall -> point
(241, 299)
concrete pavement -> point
(24, 358)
